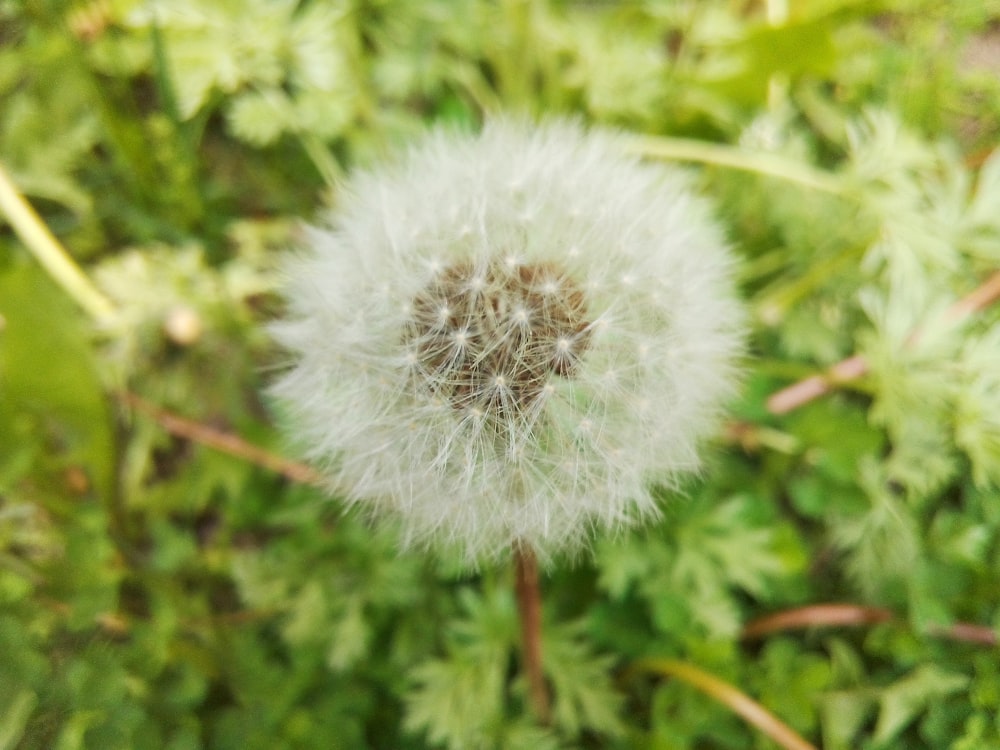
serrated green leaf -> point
(882, 542)
(622, 562)
(904, 700)
(526, 737)
(843, 713)
(260, 117)
(584, 697)
(457, 702)
(349, 641)
(719, 550)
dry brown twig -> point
(813, 616)
(224, 442)
(845, 614)
(801, 393)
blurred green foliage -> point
(155, 593)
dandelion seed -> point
(510, 391)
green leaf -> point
(910, 696)
(721, 549)
(584, 697)
(788, 681)
(49, 377)
(459, 701)
(350, 638)
(13, 718)
(524, 736)
(843, 714)
(792, 49)
(977, 413)
(260, 117)
(882, 542)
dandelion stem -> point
(529, 607)
(46, 248)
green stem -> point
(474, 86)
(741, 704)
(319, 155)
(683, 149)
(516, 61)
(47, 250)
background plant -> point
(158, 592)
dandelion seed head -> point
(491, 381)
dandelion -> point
(506, 341)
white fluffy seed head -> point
(510, 338)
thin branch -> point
(982, 297)
(967, 633)
(834, 615)
(815, 615)
(529, 607)
(223, 441)
(49, 252)
(811, 388)
(738, 702)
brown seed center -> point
(488, 337)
